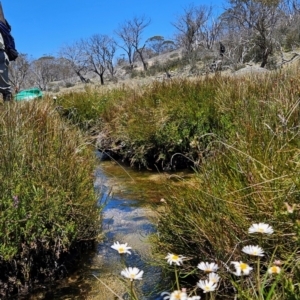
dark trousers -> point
(4, 81)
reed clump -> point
(48, 202)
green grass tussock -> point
(252, 177)
(48, 202)
(147, 125)
(89, 109)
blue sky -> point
(41, 27)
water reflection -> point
(126, 223)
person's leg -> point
(7, 97)
(4, 81)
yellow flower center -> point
(275, 270)
(121, 250)
(207, 288)
(243, 266)
(261, 230)
(175, 257)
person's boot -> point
(7, 97)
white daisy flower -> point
(274, 270)
(241, 268)
(132, 273)
(214, 277)
(176, 259)
(207, 286)
(208, 267)
(178, 295)
(261, 228)
(121, 248)
(253, 250)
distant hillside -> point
(173, 65)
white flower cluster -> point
(212, 281)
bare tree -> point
(124, 34)
(189, 24)
(292, 6)
(238, 48)
(110, 51)
(130, 33)
(75, 55)
(210, 31)
(258, 18)
(65, 70)
(18, 71)
(287, 31)
(100, 50)
(44, 71)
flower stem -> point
(123, 260)
(258, 279)
(176, 277)
(133, 294)
(131, 289)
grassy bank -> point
(48, 202)
(145, 126)
(241, 134)
(251, 176)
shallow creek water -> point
(127, 218)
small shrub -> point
(69, 84)
(272, 63)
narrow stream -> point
(127, 221)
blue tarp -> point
(30, 94)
